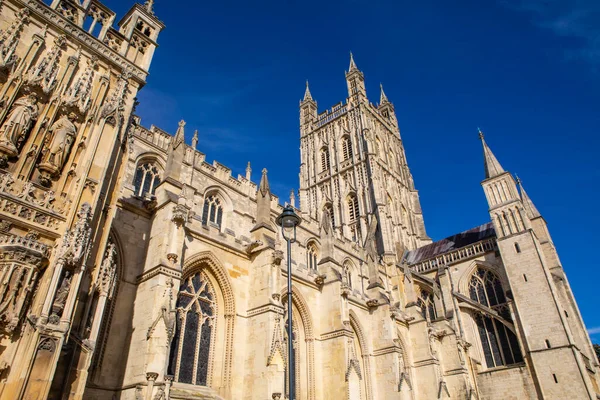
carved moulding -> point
(22, 259)
(9, 40)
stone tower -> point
(354, 171)
(68, 81)
(551, 325)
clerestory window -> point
(212, 211)
(499, 343)
(147, 178)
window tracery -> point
(147, 178)
(347, 148)
(427, 305)
(213, 211)
(499, 343)
(195, 329)
(325, 161)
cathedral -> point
(131, 268)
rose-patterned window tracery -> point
(195, 327)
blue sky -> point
(526, 72)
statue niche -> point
(56, 152)
(16, 126)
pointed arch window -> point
(195, 328)
(353, 211)
(213, 211)
(147, 178)
(329, 214)
(347, 148)
(325, 161)
(499, 343)
(348, 273)
(427, 305)
(312, 254)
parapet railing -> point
(472, 250)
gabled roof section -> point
(450, 243)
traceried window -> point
(499, 343)
(353, 212)
(147, 178)
(325, 162)
(195, 328)
(347, 147)
(312, 255)
(427, 305)
(212, 211)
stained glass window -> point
(194, 331)
(147, 178)
(499, 343)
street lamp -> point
(289, 220)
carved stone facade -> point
(131, 268)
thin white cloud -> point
(577, 19)
(594, 331)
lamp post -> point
(289, 220)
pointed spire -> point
(248, 171)
(263, 188)
(179, 135)
(382, 98)
(492, 166)
(530, 208)
(307, 95)
(353, 66)
(195, 139)
(292, 198)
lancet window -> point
(325, 161)
(147, 178)
(213, 211)
(499, 343)
(353, 211)
(348, 273)
(329, 214)
(312, 256)
(195, 328)
(427, 305)
(347, 148)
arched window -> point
(312, 254)
(348, 274)
(325, 159)
(499, 343)
(347, 148)
(147, 178)
(212, 211)
(427, 305)
(353, 212)
(194, 331)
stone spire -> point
(530, 208)
(382, 98)
(492, 166)
(179, 135)
(248, 171)
(195, 139)
(307, 95)
(263, 204)
(352, 66)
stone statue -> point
(17, 124)
(64, 133)
(61, 295)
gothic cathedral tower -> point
(354, 171)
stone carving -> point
(61, 298)
(108, 267)
(9, 39)
(17, 125)
(116, 103)
(63, 133)
(79, 95)
(45, 72)
(47, 344)
(76, 242)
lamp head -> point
(288, 220)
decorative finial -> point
(181, 123)
(352, 63)
(264, 171)
(307, 95)
(480, 133)
(382, 98)
(149, 6)
(518, 179)
(248, 171)
(195, 139)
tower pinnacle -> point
(382, 98)
(307, 95)
(353, 66)
(149, 4)
(492, 166)
(530, 208)
(195, 139)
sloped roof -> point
(450, 243)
